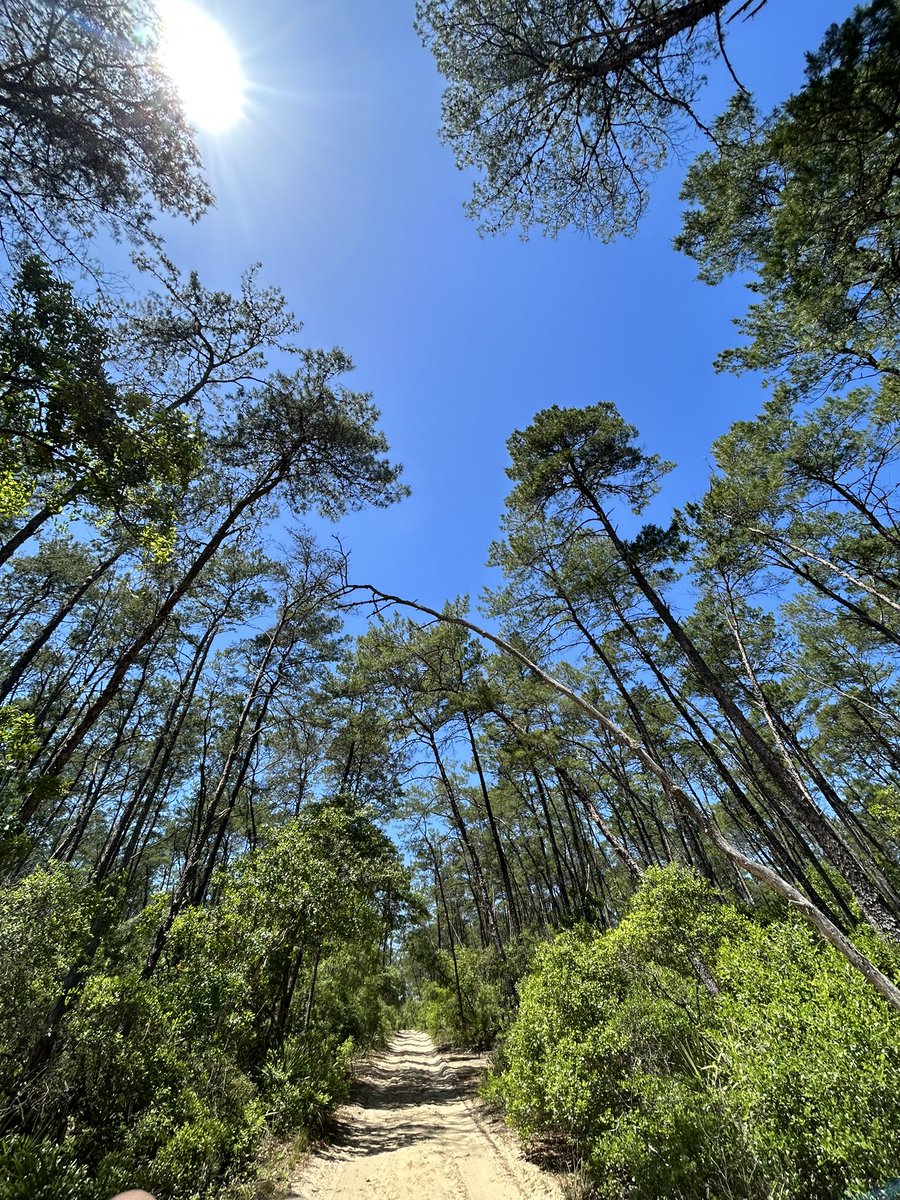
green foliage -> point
(581, 454)
(17, 745)
(596, 1029)
(314, 886)
(17, 740)
(69, 433)
(172, 1081)
(122, 1049)
(357, 997)
(806, 199)
(44, 924)
(123, 150)
(673, 921)
(14, 494)
(566, 110)
(784, 1082)
(31, 1169)
(810, 1061)
(485, 984)
(305, 1080)
(18, 779)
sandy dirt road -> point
(411, 1133)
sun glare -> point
(203, 64)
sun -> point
(199, 57)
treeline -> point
(678, 738)
(651, 795)
(198, 903)
(171, 742)
(194, 890)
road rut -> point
(410, 1134)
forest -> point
(630, 819)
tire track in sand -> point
(410, 1134)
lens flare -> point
(201, 61)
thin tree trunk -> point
(25, 659)
(33, 524)
(483, 898)
(786, 891)
(127, 659)
(307, 1018)
(452, 948)
(495, 833)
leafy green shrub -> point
(810, 1057)
(189, 1149)
(45, 921)
(121, 1053)
(195, 1159)
(31, 1169)
(305, 1081)
(150, 1106)
(691, 1054)
(246, 1027)
(356, 997)
(485, 985)
(438, 1013)
(598, 1057)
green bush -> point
(692, 1054)
(305, 1081)
(151, 1107)
(599, 1057)
(356, 997)
(44, 924)
(172, 1082)
(487, 997)
(195, 1159)
(810, 1058)
(31, 1169)
(186, 1149)
(120, 1054)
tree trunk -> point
(786, 891)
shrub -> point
(305, 1081)
(785, 1082)
(810, 1057)
(487, 996)
(356, 997)
(44, 923)
(147, 1105)
(172, 1082)
(31, 1169)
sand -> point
(414, 1131)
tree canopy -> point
(806, 200)
(567, 110)
(92, 133)
(638, 823)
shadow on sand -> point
(421, 1088)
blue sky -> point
(337, 183)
